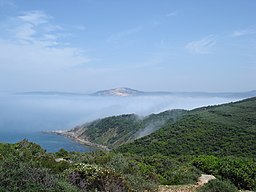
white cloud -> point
(117, 37)
(34, 47)
(7, 3)
(34, 17)
(25, 32)
(80, 27)
(202, 46)
(34, 27)
(52, 28)
(243, 32)
(173, 13)
(38, 58)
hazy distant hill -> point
(121, 92)
(223, 130)
(125, 92)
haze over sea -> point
(26, 116)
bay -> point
(49, 142)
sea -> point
(24, 116)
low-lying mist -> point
(22, 113)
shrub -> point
(240, 171)
(62, 153)
(92, 177)
(218, 186)
(19, 176)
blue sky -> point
(161, 45)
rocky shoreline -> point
(75, 137)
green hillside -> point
(222, 130)
(26, 167)
(116, 130)
(218, 140)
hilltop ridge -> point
(120, 91)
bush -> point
(181, 175)
(218, 186)
(18, 176)
(62, 153)
(138, 175)
(92, 177)
(240, 171)
(21, 170)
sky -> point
(150, 45)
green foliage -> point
(62, 153)
(218, 186)
(218, 132)
(218, 140)
(113, 131)
(208, 164)
(22, 176)
(172, 170)
(21, 170)
(92, 177)
(145, 172)
(138, 175)
(48, 161)
(223, 130)
(26, 167)
(240, 171)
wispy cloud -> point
(34, 27)
(117, 37)
(202, 46)
(35, 45)
(243, 32)
(7, 3)
(80, 27)
(34, 17)
(173, 13)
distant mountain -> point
(121, 92)
(125, 92)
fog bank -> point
(23, 113)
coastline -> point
(75, 137)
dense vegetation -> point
(116, 130)
(218, 186)
(240, 171)
(219, 130)
(27, 167)
(227, 133)
(218, 140)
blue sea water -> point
(50, 142)
(26, 116)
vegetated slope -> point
(223, 130)
(26, 167)
(116, 130)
